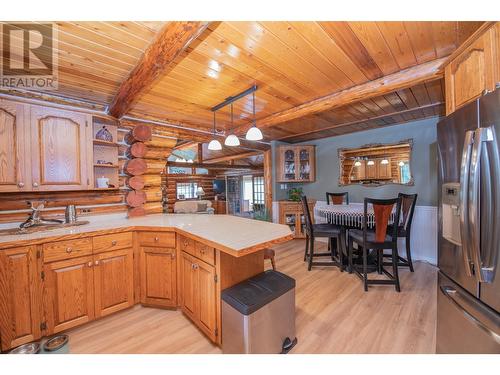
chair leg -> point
(365, 268)
(340, 254)
(349, 256)
(333, 249)
(307, 247)
(408, 252)
(273, 263)
(395, 267)
(311, 252)
(380, 259)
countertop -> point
(231, 234)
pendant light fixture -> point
(357, 163)
(254, 133)
(214, 144)
(384, 161)
(231, 139)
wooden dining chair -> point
(408, 202)
(337, 198)
(377, 239)
(313, 231)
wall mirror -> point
(376, 164)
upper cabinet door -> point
(15, 174)
(472, 72)
(60, 150)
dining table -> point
(347, 217)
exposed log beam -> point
(380, 117)
(224, 158)
(171, 41)
(183, 146)
(211, 166)
(405, 78)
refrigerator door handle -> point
(464, 200)
(460, 301)
(481, 135)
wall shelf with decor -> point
(105, 155)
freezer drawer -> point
(464, 324)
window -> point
(404, 171)
(186, 190)
(258, 190)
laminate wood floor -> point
(334, 315)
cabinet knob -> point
(35, 184)
(89, 264)
(20, 184)
(172, 256)
(69, 250)
(186, 244)
(96, 263)
(157, 239)
(113, 243)
(202, 250)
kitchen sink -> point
(40, 228)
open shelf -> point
(105, 143)
(106, 166)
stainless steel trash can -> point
(258, 315)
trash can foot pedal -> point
(288, 345)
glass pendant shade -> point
(232, 140)
(214, 145)
(254, 134)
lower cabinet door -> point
(113, 281)
(69, 293)
(19, 304)
(188, 285)
(206, 299)
(158, 276)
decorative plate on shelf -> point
(104, 135)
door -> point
(15, 174)
(19, 304)
(288, 166)
(61, 150)
(188, 286)
(158, 276)
(465, 324)
(206, 298)
(113, 281)
(69, 293)
(451, 134)
(489, 255)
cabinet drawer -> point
(160, 239)
(205, 253)
(111, 242)
(187, 245)
(67, 249)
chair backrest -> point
(337, 198)
(307, 215)
(382, 209)
(408, 202)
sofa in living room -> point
(193, 207)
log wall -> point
(206, 181)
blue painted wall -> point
(423, 163)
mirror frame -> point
(371, 145)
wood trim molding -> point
(173, 39)
(212, 166)
(243, 155)
(415, 75)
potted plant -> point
(295, 194)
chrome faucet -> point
(35, 217)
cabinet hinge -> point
(42, 275)
(88, 181)
(43, 326)
(215, 278)
(38, 254)
(86, 124)
(216, 332)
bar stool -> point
(313, 231)
(377, 240)
(337, 198)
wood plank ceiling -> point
(291, 62)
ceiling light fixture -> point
(401, 163)
(370, 162)
(384, 161)
(357, 163)
(254, 133)
(214, 144)
(231, 139)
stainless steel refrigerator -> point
(468, 305)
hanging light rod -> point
(232, 99)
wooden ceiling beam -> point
(171, 41)
(211, 166)
(380, 117)
(243, 155)
(403, 79)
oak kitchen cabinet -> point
(473, 70)
(158, 269)
(296, 163)
(19, 297)
(53, 148)
(292, 214)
